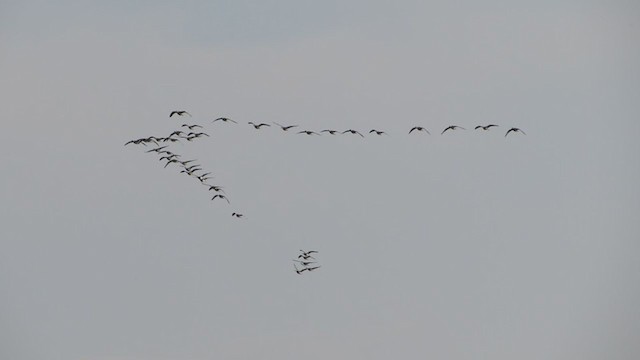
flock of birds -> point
(191, 132)
(306, 260)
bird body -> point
(351, 131)
(485, 127)
(224, 119)
(452, 127)
(285, 128)
(419, 128)
(258, 126)
(308, 132)
(179, 113)
(514, 130)
(332, 132)
(221, 197)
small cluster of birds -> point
(187, 167)
(306, 261)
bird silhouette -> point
(378, 132)
(351, 131)
(179, 113)
(238, 215)
(452, 127)
(514, 130)
(157, 149)
(313, 268)
(308, 132)
(305, 263)
(224, 119)
(485, 127)
(285, 128)
(191, 127)
(332, 132)
(258, 126)
(419, 128)
(221, 197)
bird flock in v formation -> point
(192, 132)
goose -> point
(224, 119)
(157, 149)
(486, 127)
(332, 132)
(514, 130)
(419, 128)
(238, 215)
(258, 126)
(352, 132)
(221, 197)
(305, 263)
(191, 127)
(308, 132)
(378, 132)
(179, 113)
(285, 128)
(452, 127)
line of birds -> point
(187, 167)
(306, 260)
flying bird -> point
(308, 132)
(312, 268)
(238, 215)
(298, 270)
(305, 263)
(258, 126)
(486, 127)
(514, 130)
(216, 188)
(224, 119)
(285, 128)
(378, 132)
(309, 252)
(191, 127)
(179, 113)
(452, 127)
(332, 132)
(419, 128)
(221, 197)
(352, 132)
(157, 149)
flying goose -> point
(486, 127)
(419, 128)
(258, 126)
(332, 132)
(224, 119)
(221, 197)
(285, 128)
(514, 130)
(179, 113)
(378, 132)
(452, 127)
(351, 131)
(308, 132)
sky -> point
(467, 245)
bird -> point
(312, 268)
(298, 270)
(304, 263)
(308, 252)
(514, 130)
(191, 127)
(452, 127)
(258, 126)
(221, 197)
(378, 132)
(157, 149)
(199, 134)
(332, 132)
(169, 157)
(238, 215)
(352, 132)
(184, 163)
(170, 161)
(306, 257)
(224, 119)
(308, 132)
(179, 113)
(419, 128)
(486, 127)
(216, 188)
(285, 128)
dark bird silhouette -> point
(157, 149)
(419, 128)
(299, 271)
(378, 132)
(191, 127)
(486, 127)
(238, 215)
(452, 127)
(216, 188)
(305, 263)
(308, 132)
(170, 162)
(221, 197)
(309, 252)
(184, 163)
(332, 132)
(306, 257)
(179, 113)
(313, 268)
(285, 128)
(258, 126)
(514, 130)
(224, 119)
(351, 131)
(169, 157)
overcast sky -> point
(466, 245)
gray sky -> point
(461, 246)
